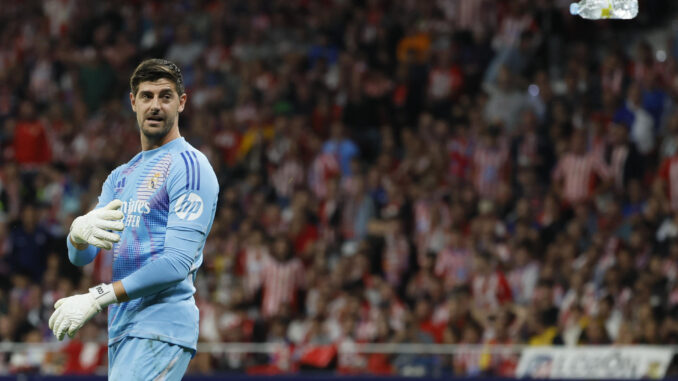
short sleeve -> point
(193, 190)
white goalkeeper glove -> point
(92, 227)
(71, 313)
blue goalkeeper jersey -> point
(169, 197)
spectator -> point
(29, 242)
(666, 184)
(458, 171)
(575, 171)
(282, 277)
(445, 83)
(623, 159)
(453, 263)
(96, 79)
(505, 101)
(358, 210)
(185, 50)
(341, 147)
(490, 166)
(31, 144)
(642, 129)
(489, 285)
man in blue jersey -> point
(163, 203)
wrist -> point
(74, 239)
(104, 294)
(120, 292)
(79, 245)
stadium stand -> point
(463, 172)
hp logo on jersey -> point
(189, 207)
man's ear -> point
(182, 102)
(132, 100)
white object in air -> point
(605, 9)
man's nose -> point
(155, 103)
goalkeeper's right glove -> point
(71, 313)
(92, 227)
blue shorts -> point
(133, 359)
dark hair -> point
(152, 70)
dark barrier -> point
(244, 377)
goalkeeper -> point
(163, 203)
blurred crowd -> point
(445, 171)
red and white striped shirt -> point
(523, 280)
(468, 14)
(286, 177)
(490, 291)
(396, 256)
(490, 168)
(281, 280)
(429, 215)
(422, 217)
(453, 265)
(510, 29)
(460, 152)
(254, 260)
(324, 167)
(578, 175)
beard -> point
(158, 130)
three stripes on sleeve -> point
(192, 169)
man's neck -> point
(150, 144)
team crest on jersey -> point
(155, 180)
(189, 206)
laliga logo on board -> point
(189, 207)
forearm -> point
(167, 270)
(82, 254)
(154, 277)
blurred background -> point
(422, 188)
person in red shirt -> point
(31, 144)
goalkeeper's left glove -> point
(92, 228)
(73, 312)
